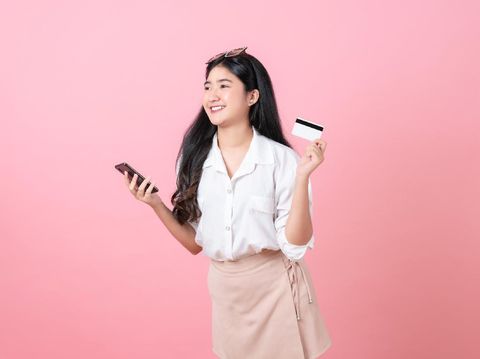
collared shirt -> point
(246, 213)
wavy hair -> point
(197, 139)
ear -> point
(253, 97)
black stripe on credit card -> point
(309, 124)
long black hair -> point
(197, 140)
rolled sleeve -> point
(193, 224)
(285, 182)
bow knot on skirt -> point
(292, 269)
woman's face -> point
(223, 88)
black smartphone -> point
(124, 166)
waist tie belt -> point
(293, 277)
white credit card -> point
(307, 129)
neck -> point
(232, 138)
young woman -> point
(244, 198)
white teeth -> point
(217, 108)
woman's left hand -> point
(312, 157)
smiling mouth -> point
(215, 109)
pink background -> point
(86, 271)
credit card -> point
(307, 129)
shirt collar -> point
(259, 152)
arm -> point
(185, 234)
(299, 224)
(291, 190)
(299, 229)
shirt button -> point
(229, 190)
(227, 228)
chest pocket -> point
(262, 204)
(261, 217)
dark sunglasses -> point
(229, 53)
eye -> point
(207, 88)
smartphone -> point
(124, 166)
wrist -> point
(157, 204)
(301, 177)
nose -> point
(212, 95)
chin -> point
(217, 122)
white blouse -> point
(244, 214)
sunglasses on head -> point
(229, 53)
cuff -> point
(293, 251)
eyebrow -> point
(207, 82)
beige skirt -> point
(265, 306)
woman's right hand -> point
(152, 199)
